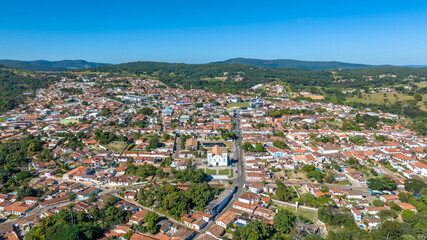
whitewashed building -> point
(217, 158)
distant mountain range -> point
(43, 65)
(416, 66)
(289, 63)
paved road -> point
(241, 176)
(240, 179)
(177, 146)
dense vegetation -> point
(68, 224)
(14, 83)
(17, 153)
(312, 172)
(72, 91)
(176, 202)
(258, 147)
(106, 137)
(283, 228)
(171, 199)
(203, 75)
(141, 170)
(382, 183)
(284, 193)
(289, 63)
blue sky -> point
(372, 32)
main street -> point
(239, 181)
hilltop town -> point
(123, 157)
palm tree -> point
(71, 207)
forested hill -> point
(223, 77)
(289, 63)
(15, 83)
(43, 65)
(232, 77)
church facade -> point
(217, 158)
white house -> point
(418, 168)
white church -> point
(217, 158)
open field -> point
(387, 98)
(296, 175)
(237, 105)
(147, 137)
(312, 215)
(70, 120)
(335, 123)
(421, 85)
(117, 146)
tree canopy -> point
(382, 183)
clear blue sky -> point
(372, 32)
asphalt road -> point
(240, 179)
(178, 146)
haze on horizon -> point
(383, 32)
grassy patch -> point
(117, 146)
(210, 171)
(421, 85)
(147, 137)
(71, 120)
(335, 123)
(312, 215)
(238, 105)
(386, 98)
(297, 175)
(343, 182)
(13, 216)
(224, 172)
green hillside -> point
(236, 77)
(232, 77)
(43, 65)
(289, 63)
(15, 83)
